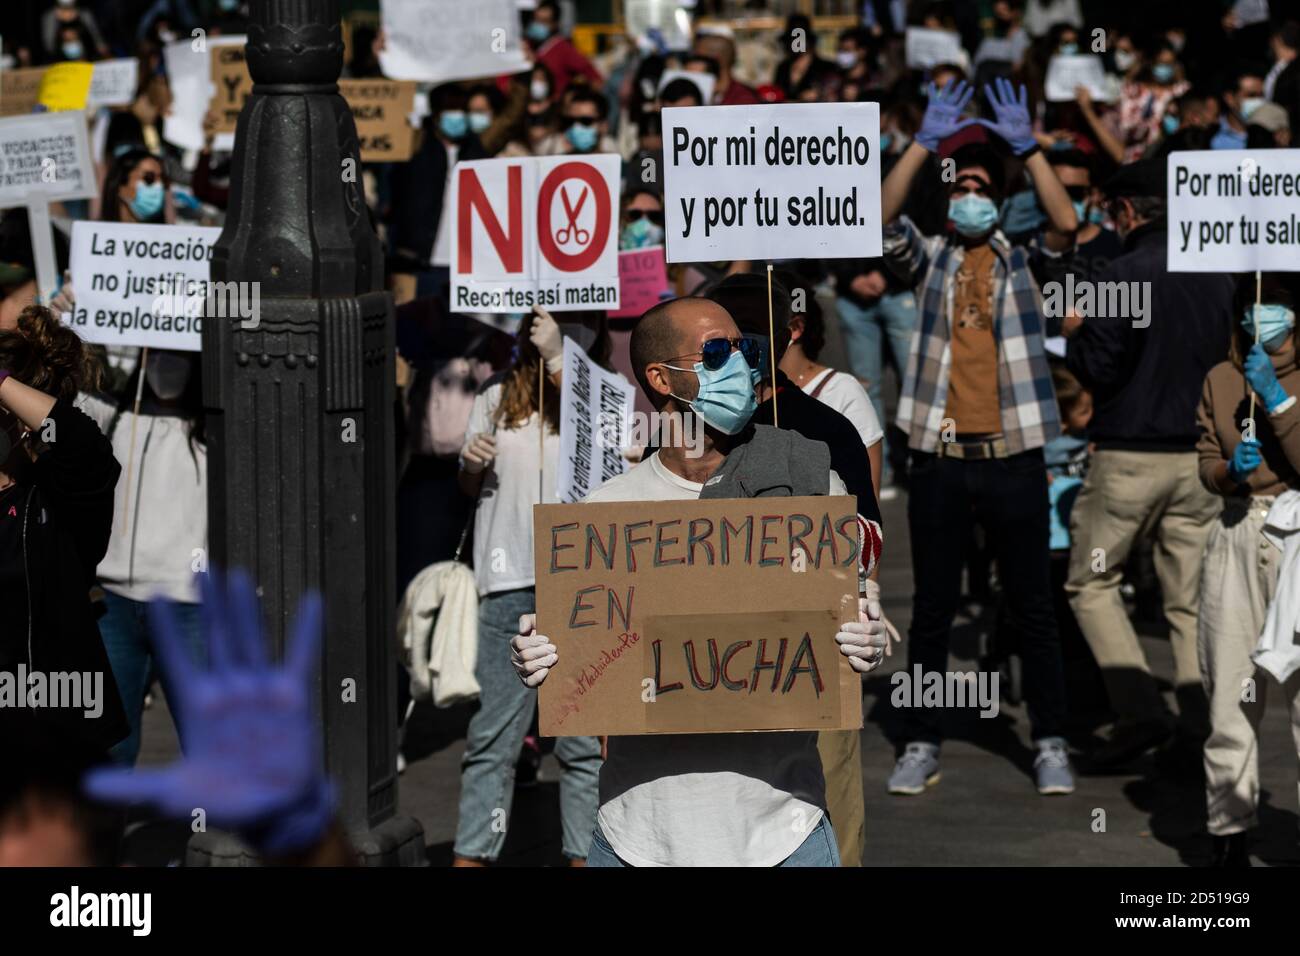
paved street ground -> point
(984, 812)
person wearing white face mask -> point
(1239, 574)
(160, 520)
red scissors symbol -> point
(572, 230)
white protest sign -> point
(928, 48)
(595, 424)
(772, 181)
(1247, 12)
(999, 50)
(44, 158)
(113, 83)
(704, 82)
(1234, 210)
(433, 41)
(668, 17)
(147, 285)
(535, 231)
(1064, 73)
(189, 75)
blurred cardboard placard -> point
(20, 90)
(380, 108)
(697, 616)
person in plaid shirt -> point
(978, 406)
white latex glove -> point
(876, 613)
(863, 641)
(532, 654)
(479, 453)
(545, 335)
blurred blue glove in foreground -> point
(253, 760)
(1245, 459)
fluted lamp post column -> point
(299, 398)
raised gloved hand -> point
(864, 641)
(545, 335)
(532, 654)
(253, 760)
(943, 113)
(1262, 378)
(1011, 114)
(877, 613)
(1245, 459)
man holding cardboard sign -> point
(673, 791)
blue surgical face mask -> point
(229, 5)
(1163, 72)
(478, 121)
(640, 233)
(726, 399)
(885, 140)
(1069, 49)
(1080, 209)
(1250, 104)
(582, 138)
(1096, 215)
(148, 201)
(453, 124)
(1169, 123)
(973, 215)
(537, 32)
(72, 51)
(1275, 322)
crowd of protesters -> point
(1077, 473)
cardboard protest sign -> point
(189, 75)
(433, 41)
(925, 48)
(142, 284)
(1234, 210)
(114, 83)
(704, 82)
(642, 281)
(595, 424)
(668, 18)
(231, 81)
(535, 231)
(20, 90)
(65, 86)
(380, 109)
(697, 616)
(1064, 73)
(771, 182)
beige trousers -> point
(841, 753)
(1238, 580)
(1128, 495)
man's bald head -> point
(671, 330)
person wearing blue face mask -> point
(1240, 571)
(135, 189)
(977, 421)
(553, 50)
(582, 125)
(713, 799)
(1242, 96)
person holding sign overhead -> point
(741, 799)
(500, 465)
(978, 407)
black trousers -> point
(1007, 497)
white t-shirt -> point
(739, 799)
(503, 520)
(845, 394)
(441, 255)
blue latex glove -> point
(943, 114)
(1011, 115)
(1262, 378)
(253, 760)
(1245, 459)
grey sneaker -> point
(917, 769)
(1052, 767)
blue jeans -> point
(892, 317)
(127, 639)
(818, 849)
(496, 735)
